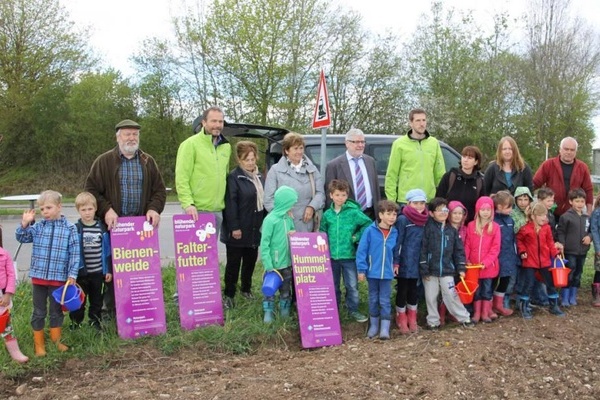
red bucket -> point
(463, 293)
(560, 276)
(472, 273)
(4, 318)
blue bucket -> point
(272, 280)
(69, 296)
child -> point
(508, 258)
(275, 249)
(595, 231)
(7, 289)
(482, 246)
(442, 257)
(536, 246)
(523, 199)
(374, 260)
(573, 233)
(55, 258)
(406, 262)
(96, 266)
(344, 223)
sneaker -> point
(468, 324)
(247, 295)
(433, 328)
(358, 317)
(228, 303)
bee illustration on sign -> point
(203, 234)
(147, 231)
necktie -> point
(361, 194)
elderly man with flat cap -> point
(126, 183)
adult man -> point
(202, 166)
(416, 161)
(563, 173)
(126, 182)
(355, 164)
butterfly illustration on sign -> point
(206, 231)
(147, 231)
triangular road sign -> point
(322, 116)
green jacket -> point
(274, 243)
(517, 215)
(344, 229)
(414, 164)
(201, 172)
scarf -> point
(260, 192)
(414, 216)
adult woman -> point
(465, 183)
(295, 170)
(242, 218)
(509, 170)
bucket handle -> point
(274, 270)
(462, 279)
(64, 292)
(558, 264)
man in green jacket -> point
(202, 166)
(416, 161)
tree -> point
(39, 55)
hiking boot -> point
(247, 295)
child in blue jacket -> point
(375, 262)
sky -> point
(118, 27)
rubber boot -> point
(498, 305)
(402, 321)
(596, 294)
(506, 300)
(486, 307)
(268, 309)
(573, 296)
(39, 343)
(477, 311)
(442, 311)
(13, 349)
(565, 293)
(554, 308)
(373, 327)
(524, 308)
(412, 319)
(55, 335)
(384, 332)
(284, 308)
(491, 312)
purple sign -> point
(197, 270)
(137, 278)
(315, 294)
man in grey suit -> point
(358, 169)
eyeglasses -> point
(357, 141)
(443, 210)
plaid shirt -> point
(56, 252)
(132, 179)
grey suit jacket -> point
(339, 168)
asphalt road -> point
(165, 232)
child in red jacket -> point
(482, 246)
(536, 247)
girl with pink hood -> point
(482, 246)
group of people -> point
(432, 225)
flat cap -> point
(127, 123)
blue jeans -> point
(380, 291)
(347, 270)
(576, 264)
(527, 281)
(484, 291)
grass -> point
(243, 331)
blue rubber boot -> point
(554, 308)
(268, 309)
(384, 332)
(284, 308)
(524, 308)
(565, 294)
(373, 327)
(573, 296)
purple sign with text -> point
(197, 269)
(137, 278)
(315, 294)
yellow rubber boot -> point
(39, 343)
(55, 334)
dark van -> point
(377, 146)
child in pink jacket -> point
(7, 290)
(482, 246)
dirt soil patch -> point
(543, 358)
